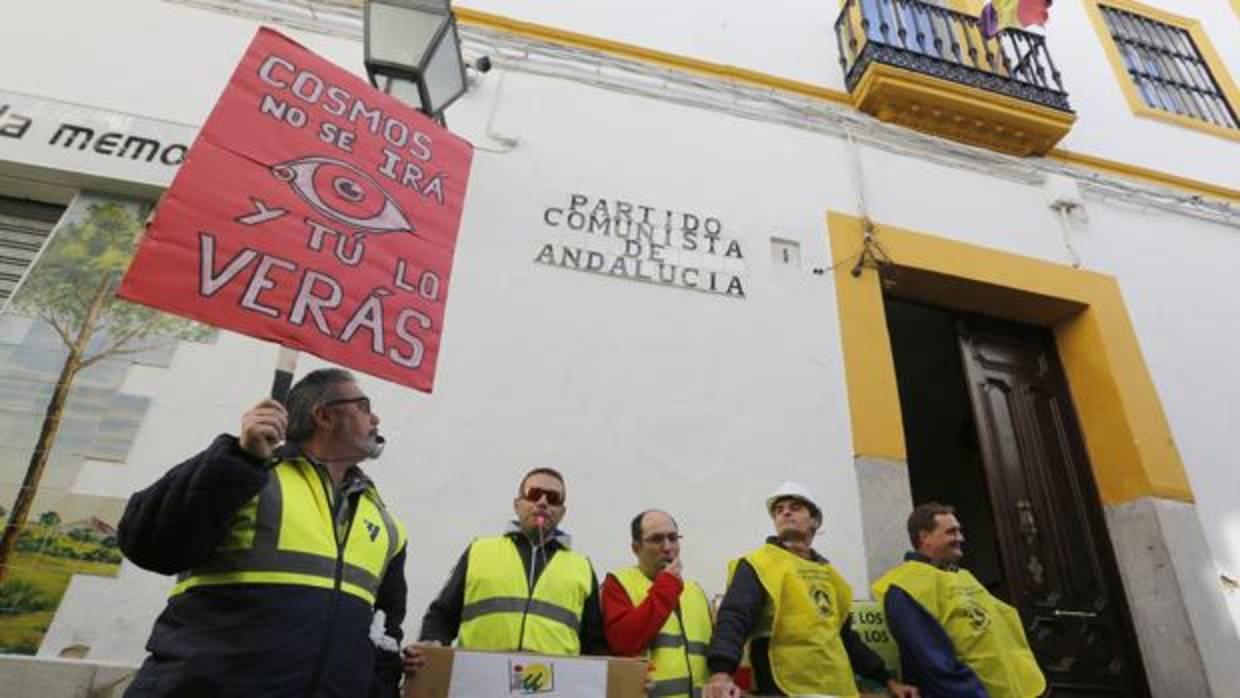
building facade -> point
(709, 247)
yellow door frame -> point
(1129, 442)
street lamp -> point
(413, 52)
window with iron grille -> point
(1168, 69)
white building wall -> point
(148, 73)
(1179, 288)
(1106, 126)
(646, 395)
(795, 39)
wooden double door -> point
(1057, 562)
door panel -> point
(1059, 567)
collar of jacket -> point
(813, 554)
(558, 536)
(914, 556)
(354, 479)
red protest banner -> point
(313, 211)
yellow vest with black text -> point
(286, 535)
(809, 604)
(678, 651)
(501, 612)
(986, 633)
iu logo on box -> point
(530, 677)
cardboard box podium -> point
(454, 673)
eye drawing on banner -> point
(345, 194)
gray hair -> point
(308, 393)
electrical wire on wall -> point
(506, 143)
(1063, 215)
(872, 253)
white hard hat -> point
(793, 489)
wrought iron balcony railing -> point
(931, 40)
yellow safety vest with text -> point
(809, 605)
(286, 535)
(502, 613)
(986, 633)
(678, 651)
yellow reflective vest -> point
(987, 633)
(678, 651)
(502, 613)
(286, 535)
(809, 604)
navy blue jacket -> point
(927, 656)
(247, 640)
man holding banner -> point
(285, 556)
(319, 213)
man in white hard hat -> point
(791, 606)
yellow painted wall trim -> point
(1127, 436)
(1145, 174)
(1218, 69)
(647, 55)
(869, 369)
(563, 37)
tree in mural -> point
(72, 289)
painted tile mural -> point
(66, 345)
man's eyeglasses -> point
(534, 494)
(661, 538)
(363, 403)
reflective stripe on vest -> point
(662, 640)
(519, 605)
(285, 535)
(986, 633)
(809, 603)
(678, 654)
(500, 611)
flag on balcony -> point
(998, 15)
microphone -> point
(374, 449)
(541, 520)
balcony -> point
(929, 69)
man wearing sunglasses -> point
(525, 590)
(284, 553)
(649, 610)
